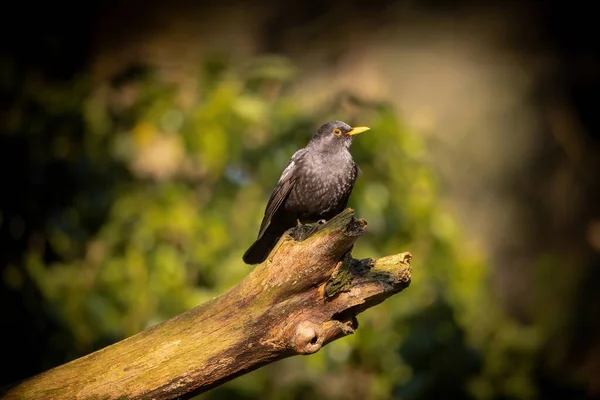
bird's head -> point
(335, 134)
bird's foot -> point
(321, 221)
(299, 223)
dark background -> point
(525, 193)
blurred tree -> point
(137, 200)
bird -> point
(314, 187)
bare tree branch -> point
(305, 295)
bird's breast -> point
(322, 188)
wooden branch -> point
(306, 294)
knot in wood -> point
(308, 337)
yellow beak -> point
(357, 130)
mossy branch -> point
(306, 294)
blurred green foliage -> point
(167, 188)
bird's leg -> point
(299, 223)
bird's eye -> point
(337, 131)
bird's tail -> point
(260, 249)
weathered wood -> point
(306, 294)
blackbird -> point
(315, 186)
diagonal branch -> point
(305, 295)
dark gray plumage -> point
(315, 185)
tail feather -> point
(260, 249)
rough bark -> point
(305, 295)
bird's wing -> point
(281, 192)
